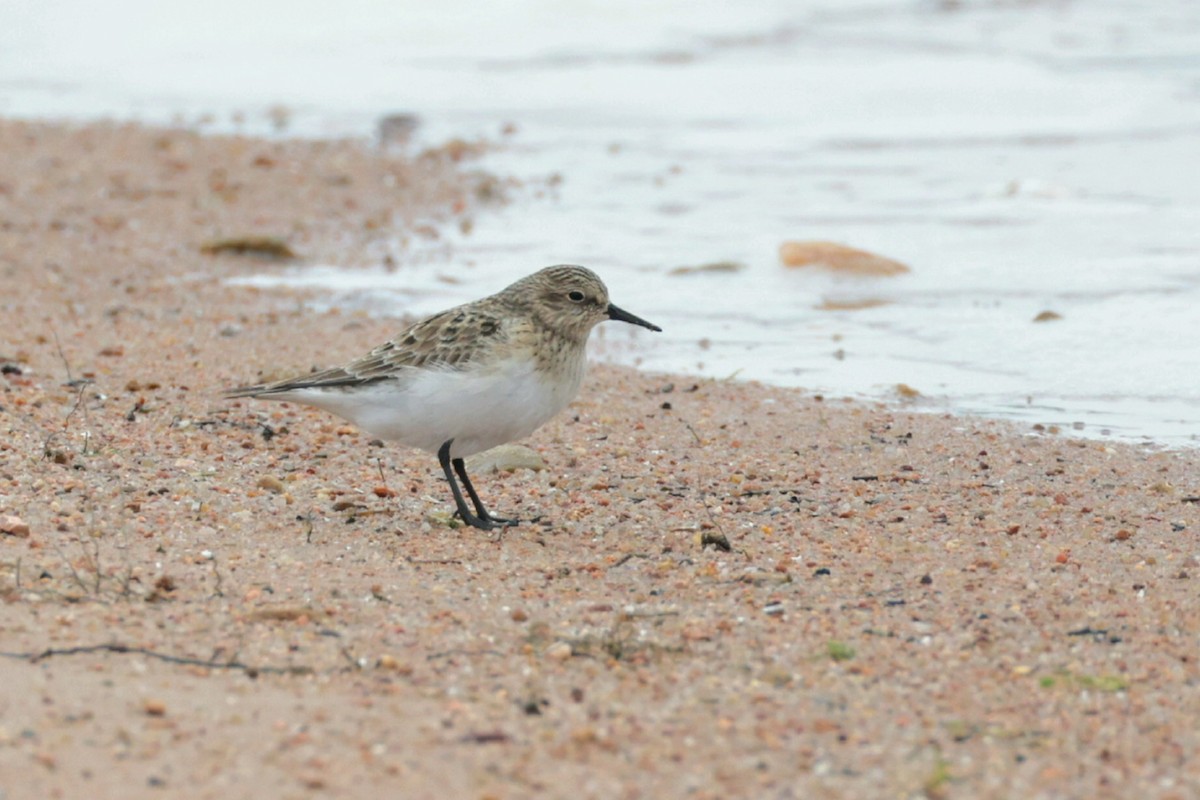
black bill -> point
(624, 316)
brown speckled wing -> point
(450, 340)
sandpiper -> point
(470, 378)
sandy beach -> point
(726, 589)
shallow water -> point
(1019, 156)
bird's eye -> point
(575, 296)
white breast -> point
(478, 409)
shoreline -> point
(232, 597)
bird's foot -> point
(485, 521)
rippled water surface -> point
(1020, 157)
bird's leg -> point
(461, 469)
(483, 521)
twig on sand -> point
(116, 647)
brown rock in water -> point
(715, 266)
(838, 258)
(852, 305)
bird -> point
(469, 378)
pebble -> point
(715, 266)
(14, 526)
(506, 457)
(775, 675)
(270, 483)
(393, 664)
(559, 651)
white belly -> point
(478, 409)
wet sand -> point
(212, 598)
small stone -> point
(775, 675)
(270, 483)
(393, 664)
(715, 266)
(851, 304)
(267, 248)
(312, 781)
(154, 707)
(716, 539)
(559, 651)
(396, 128)
(506, 457)
(14, 526)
